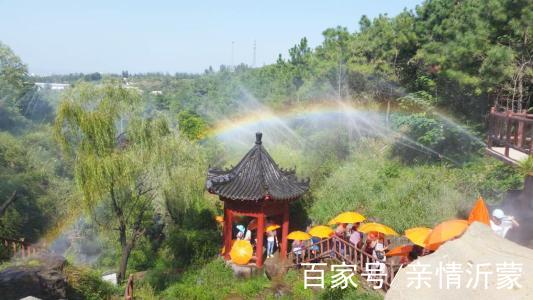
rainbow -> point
(265, 115)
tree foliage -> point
(113, 163)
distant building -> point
(52, 86)
(156, 92)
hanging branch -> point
(8, 202)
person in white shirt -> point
(271, 239)
(248, 235)
(501, 224)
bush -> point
(526, 166)
(84, 283)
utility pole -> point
(232, 53)
(253, 61)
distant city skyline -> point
(59, 37)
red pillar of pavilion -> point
(284, 230)
(228, 232)
(260, 238)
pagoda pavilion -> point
(256, 187)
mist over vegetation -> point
(120, 159)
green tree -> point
(192, 125)
(14, 85)
(115, 171)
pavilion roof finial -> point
(258, 137)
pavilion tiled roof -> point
(256, 177)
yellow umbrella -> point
(299, 236)
(241, 252)
(332, 221)
(321, 231)
(348, 217)
(219, 219)
(377, 227)
(446, 231)
(418, 235)
(272, 227)
(223, 249)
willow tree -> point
(115, 155)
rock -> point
(244, 271)
(40, 277)
(275, 267)
(280, 290)
(478, 245)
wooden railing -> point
(511, 130)
(311, 253)
(128, 293)
(341, 250)
(18, 248)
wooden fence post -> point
(507, 133)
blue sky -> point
(170, 36)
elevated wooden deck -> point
(510, 136)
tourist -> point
(356, 237)
(297, 247)
(501, 224)
(340, 233)
(240, 233)
(379, 249)
(271, 239)
(248, 235)
(412, 255)
(370, 243)
(341, 230)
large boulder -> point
(478, 245)
(39, 277)
(275, 267)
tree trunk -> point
(126, 251)
(8, 202)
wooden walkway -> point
(340, 250)
(510, 136)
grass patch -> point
(214, 281)
(407, 196)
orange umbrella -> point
(479, 213)
(446, 231)
(241, 252)
(219, 219)
(400, 251)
